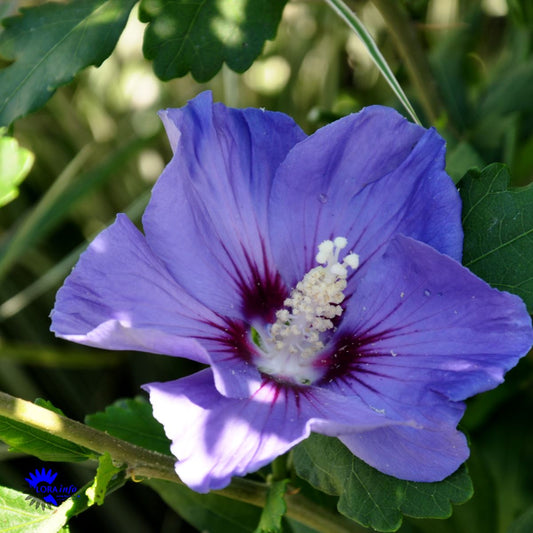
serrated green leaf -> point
(104, 473)
(25, 439)
(369, 497)
(498, 226)
(132, 421)
(198, 36)
(275, 508)
(18, 516)
(49, 44)
(15, 164)
(208, 512)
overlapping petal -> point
(215, 438)
(207, 215)
(409, 453)
(420, 334)
(120, 296)
(419, 314)
(365, 177)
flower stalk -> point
(359, 29)
(405, 38)
(143, 463)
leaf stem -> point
(141, 462)
(359, 29)
(404, 36)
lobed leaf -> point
(197, 36)
(48, 44)
(132, 421)
(369, 497)
(498, 226)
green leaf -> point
(208, 512)
(71, 186)
(47, 404)
(275, 508)
(19, 514)
(15, 164)
(498, 226)
(25, 439)
(198, 36)
(104, 473)
(22, 513)
(132, 421)
(49, 44)
(369, 497)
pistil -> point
(290, 344)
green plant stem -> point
(143, 463)
(404, 35)
(279, 468)
(359, 29)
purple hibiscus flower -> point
(317, 277)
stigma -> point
(289, 345)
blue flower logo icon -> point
(42, 477)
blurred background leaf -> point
(15, 163)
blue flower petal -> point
(121, 297)
(419, 315)
(215, 438)
(420, 334)
(207, 219)
(409, 453)
(366, 177)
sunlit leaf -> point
(23, 438)
(105, 472)
(132, 421)
(20, 514)
(48, 44)
(15, 164)
(198, 36)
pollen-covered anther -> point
(314, 303)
